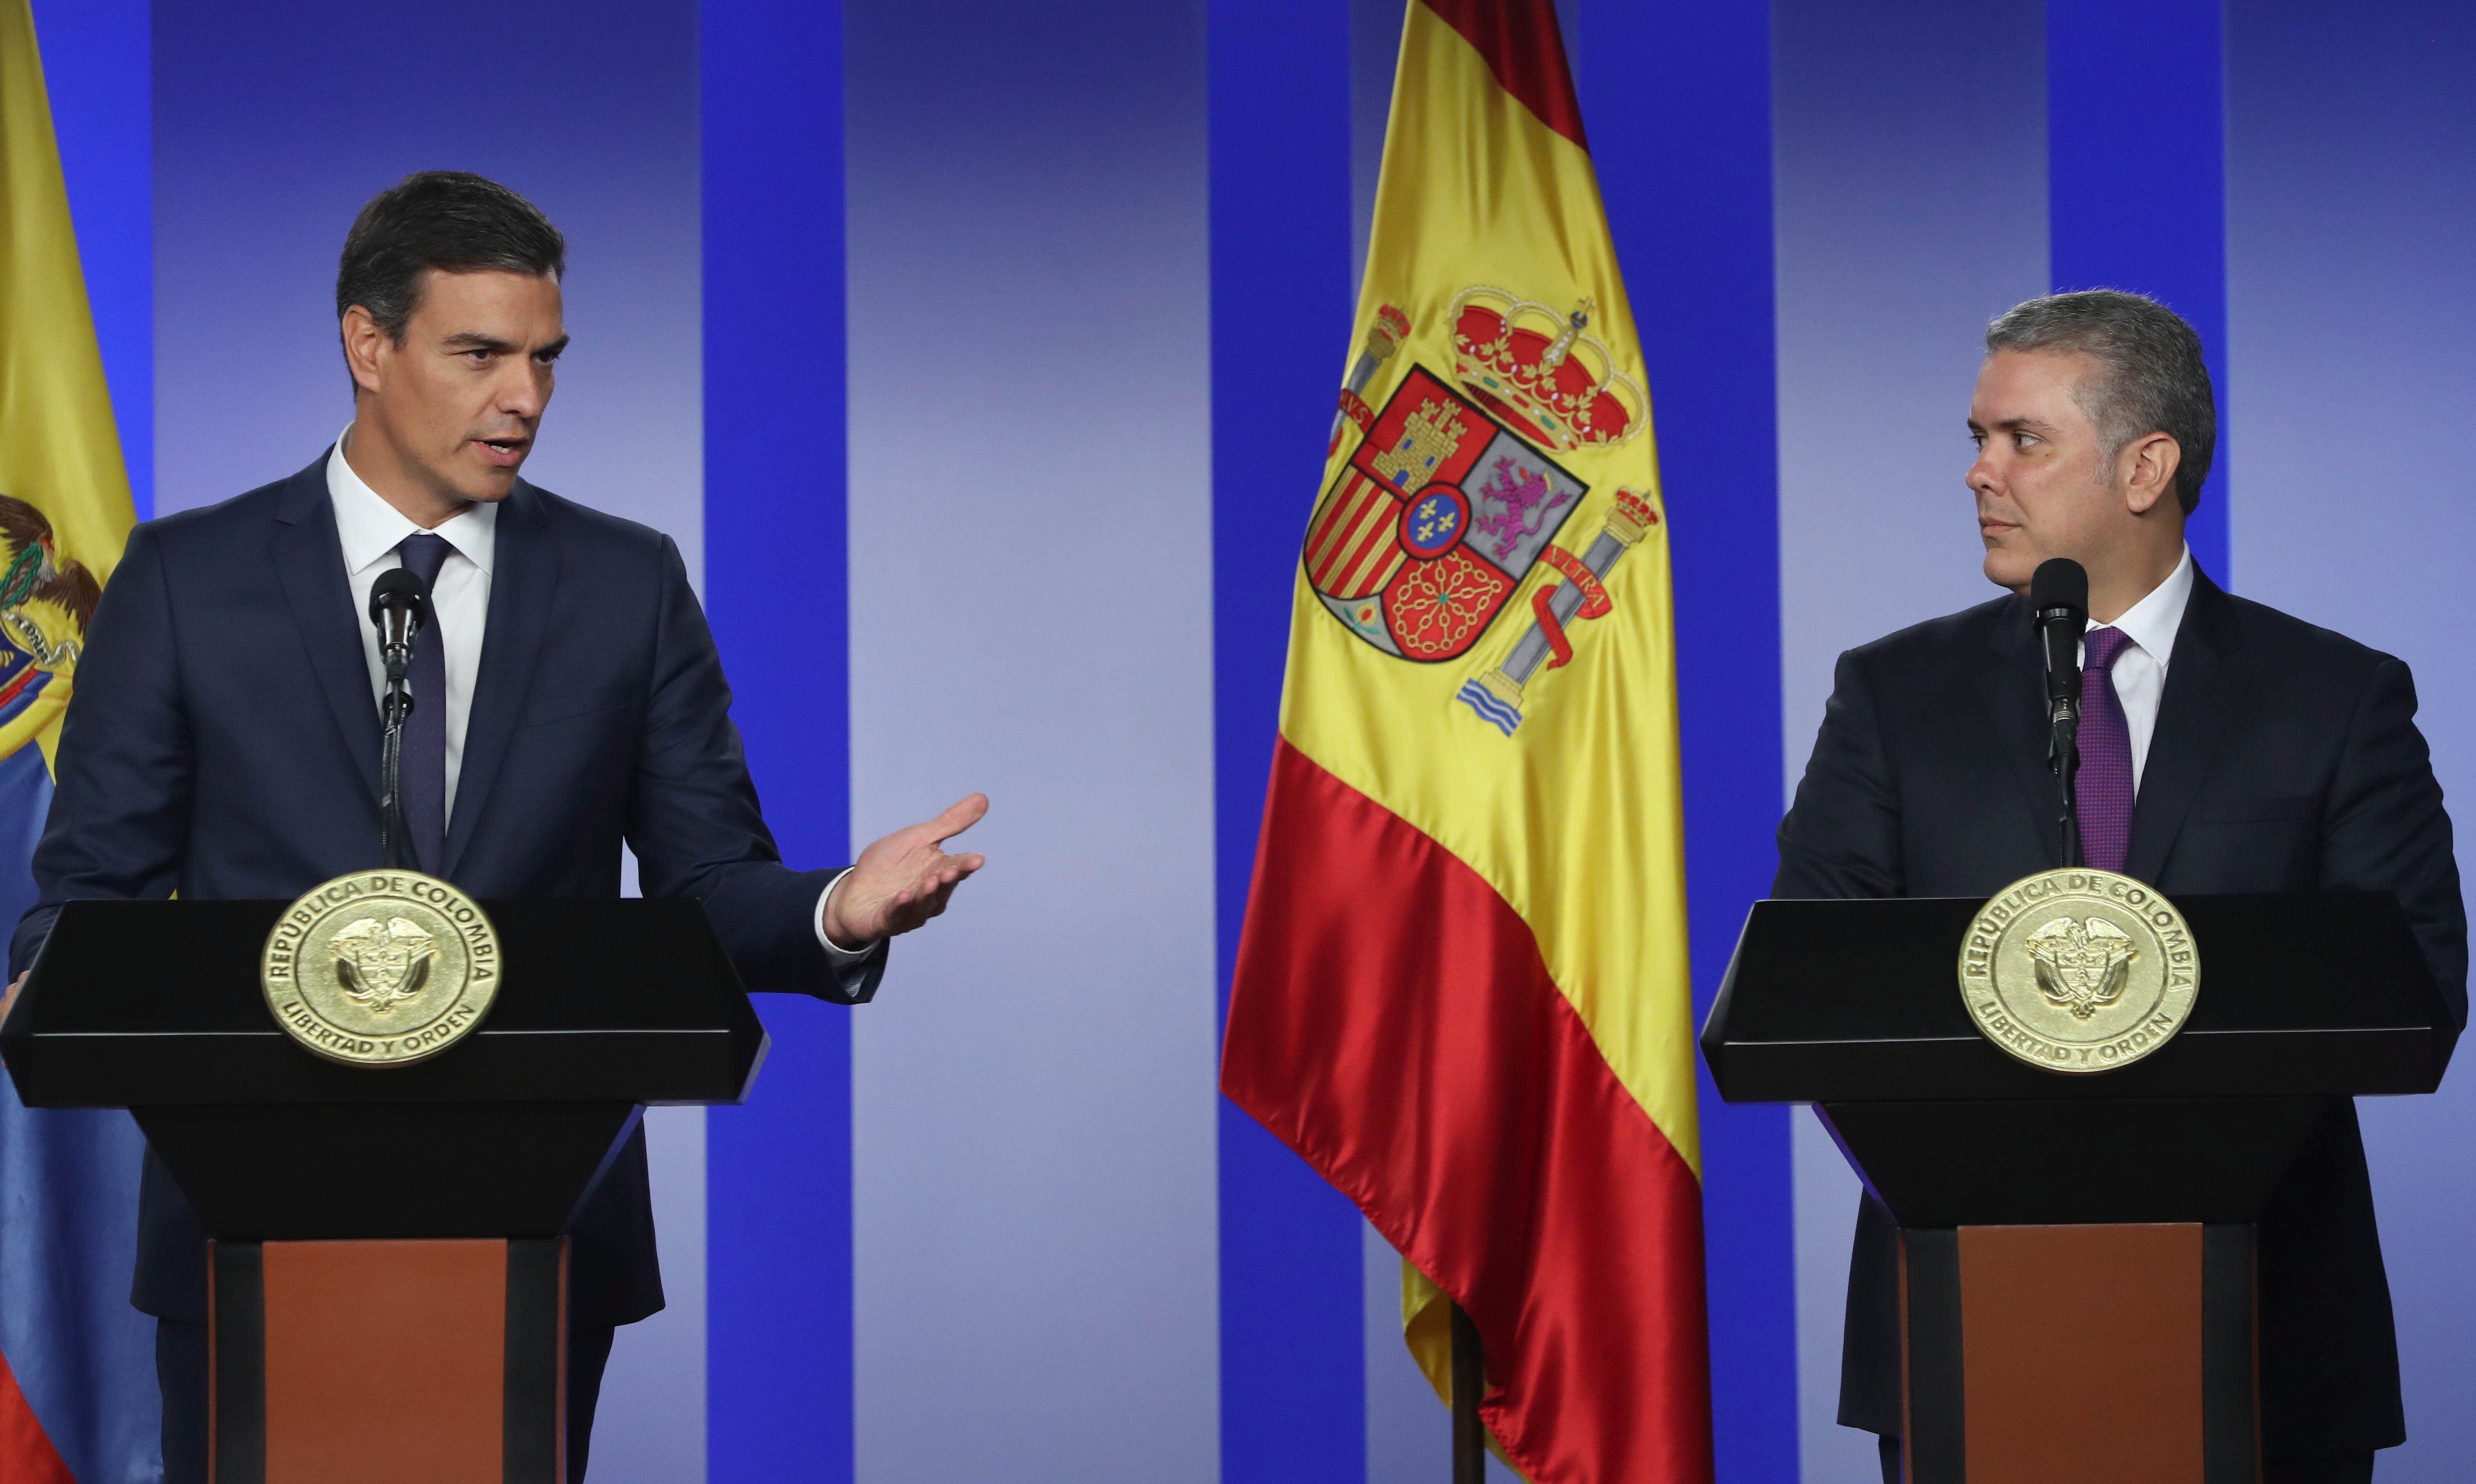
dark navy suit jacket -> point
(2286, 759)
(223, 742)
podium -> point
(388, 1269)
(2076, 1250)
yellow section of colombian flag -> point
(1545, 754)
(64, 504)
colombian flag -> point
(77, 1377)
(1461, 991)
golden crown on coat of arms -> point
(1540, 369)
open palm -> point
(904, 879)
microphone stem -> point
(391, 822)
(399, 616)
(2064, 756)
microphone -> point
(399, 607)
(2059, 595)
(2059, 592)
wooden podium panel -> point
(2060, 1354)
(2082, 1352)
(388, 1362)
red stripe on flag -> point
(1372, 557)
(1358, 510)
(1526, 53)
(1335, 515)
(26, 1453)
(1392, 1022)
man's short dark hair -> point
(2151, 378)
(447, 219)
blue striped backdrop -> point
(981, 357)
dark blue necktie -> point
(425, 735)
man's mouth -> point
(505, 453)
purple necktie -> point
(425, 731)
(2103, 788)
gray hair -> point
(2151, 378)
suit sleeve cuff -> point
(831, 945)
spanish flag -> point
(1461, 990)
(77, 1383)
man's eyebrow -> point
(475, 340)
(554, 348)
(2014, 425)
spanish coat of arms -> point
(1434, 521)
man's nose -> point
(1980, 476)
(520, 390)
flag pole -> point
(1469, 1378)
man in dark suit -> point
(2253, 752)
(224, 738)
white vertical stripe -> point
(626, 435)
(650, 1425)
(1035, 1117)
(1826, 1195)
(1906, 217)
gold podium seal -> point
(2079, 970)
(380, 968)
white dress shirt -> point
(460, 601)
(2140, 666)
(369, 531)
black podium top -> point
(1859, 1002)
(157, 1003)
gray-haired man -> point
(2265, 756)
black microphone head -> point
(2059, 582)
(400, 589)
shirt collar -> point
(2152, 622)
(370, 528)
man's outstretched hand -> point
(903, 880)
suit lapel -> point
(2205, 686)
(524, 582)
(310, 564)
(2014, 690)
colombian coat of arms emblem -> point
(380, 968)
(46, 600)
(2079, 970)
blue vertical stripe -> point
(2136, 175)
(97, 67)
(1292, 1402)
(1679, 104)
(780, 1169)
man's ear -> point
(363, 342)
(2146, 470)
